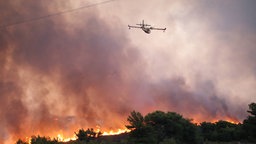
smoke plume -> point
(80, 70)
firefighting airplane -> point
(146, 28)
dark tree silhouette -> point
(140, 133)
(136, 120)
(43, 140)
(249, 124)
(207, 129)
(252, 109)
(21, 142)
(221, 131)
(172, 125)
(87, 135)
(160, 127)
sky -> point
(85, 68)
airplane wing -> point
(152, 28)
(133, 26)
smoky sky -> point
(83, 69)
(52, 70)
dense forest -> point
(167, 128)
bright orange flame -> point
(233, 121)
(197, 120)
(61, 138)
(65, 139)
(28, 140)
(117, 132)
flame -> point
(28, 140)
(61, 138)
(117, 132)
(230, 120)
(233, 122)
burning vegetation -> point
(83, 70)
(165, 128)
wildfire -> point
(65, 139)
(231, 120)
(61, 138)
(199, 120)
(119, 131)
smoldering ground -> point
(79, 70)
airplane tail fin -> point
(143, 24)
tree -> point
(21, 142)
(136, 120)
(160, 127)
(42, 140)
(158, 122)
(249, 124)
(221, 131)
(87, 135)
(81, 135)
(252, 109)
(207, 129)
(140, 133)
(225, 130)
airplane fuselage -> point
(146, 30)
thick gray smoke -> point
(62, 69)
(78, 70)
